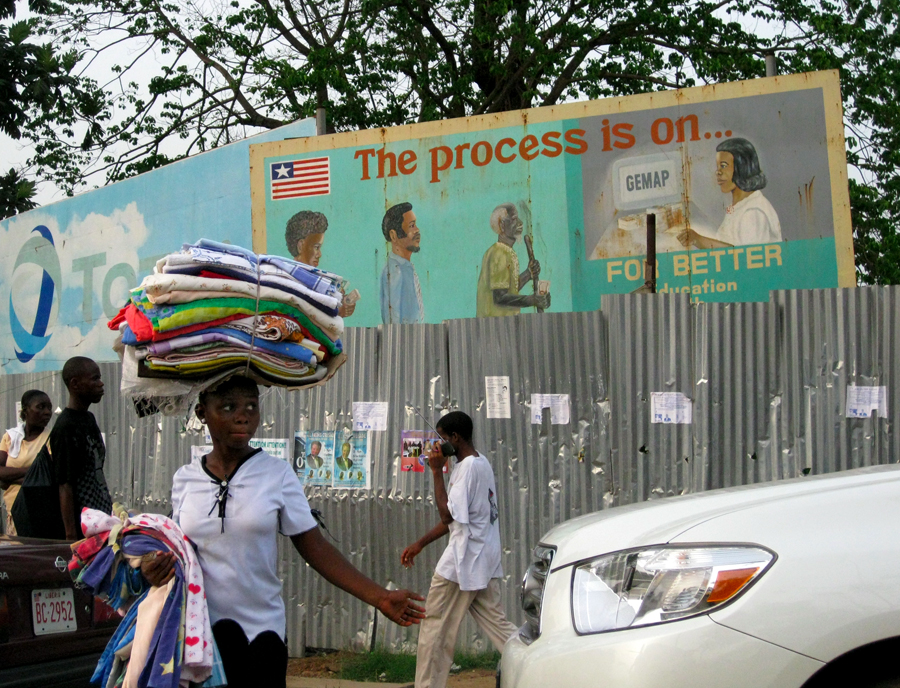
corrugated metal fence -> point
(768, 383)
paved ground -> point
(310, 682)
(473, 679)
(319, 670)
(470, 679)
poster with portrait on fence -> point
(315, 462)
(351, 460)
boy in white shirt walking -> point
(467, 575)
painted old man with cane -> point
(500, 280)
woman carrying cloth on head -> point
(20, 445)
(232, 503)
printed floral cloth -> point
(274, 328)
(181, 642)
(277, 328)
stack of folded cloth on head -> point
(213, 309)
(165, 638)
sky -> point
(16, 153)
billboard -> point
(66, 268)
(546, 209)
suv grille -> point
(533, 592)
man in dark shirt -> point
(77, 448)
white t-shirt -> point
(752, 220)
(472, 556)
(240, 565)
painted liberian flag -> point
(297, 178)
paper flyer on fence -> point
(199, 451)
(414, 448)
(864, 401)
(274, 447)
(558, 405)
(279, 448)
(370, 415)
(670, 408)
(497, 396)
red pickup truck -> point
(51, 634)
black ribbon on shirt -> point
(221, 500)
(223, 493)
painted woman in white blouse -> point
(750, 219)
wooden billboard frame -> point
(828, 81)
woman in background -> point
(21, 444)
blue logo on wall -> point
(40, 251)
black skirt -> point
(262, 662)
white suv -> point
(795, 583)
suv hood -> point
(660, 521)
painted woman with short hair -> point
(750, 219)
(21, 444)
(233, 503)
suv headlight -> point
(664, 583)
(533, 592)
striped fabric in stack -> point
(214, 308)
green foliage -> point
(483, 660)
(39, 92)
(379, 666)
(16, 194)
(395, 668)
(228, 68)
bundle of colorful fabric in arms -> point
(214, 309)
(165, 638)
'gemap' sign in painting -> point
(746, 181)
